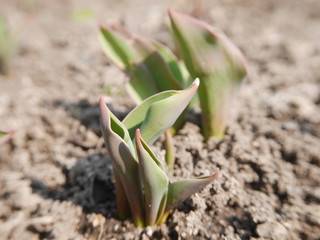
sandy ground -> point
(55, 175)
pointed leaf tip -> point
(181, 190)
(5, 136)
(104, 115)
(208, 53)
(149, 115)
(196, 81)
(138, 135)
(162, 114)
(172, 12)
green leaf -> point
(181, 190)
(147, 67)
(171, 61)
(116, 47)
(162, 114)
(159, 69)
(125, 165)
(83, 14)
(154, 180)
(170, 151)
(159, 112)
(211, 56)
(8, 44)
(5, 136)
(123, 206)
(142, 84)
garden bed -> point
(56, 178)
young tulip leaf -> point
(211, 56)
(8, 44)
(125, 165)
(154, 180)
(172, 62)
(162, 114)
(116, 47)
(5, 136)
(159, 112)
(152, 68)
(161, 72)
(181, 190)
(170, 151)
(123, 206)
(156, 64)
(142, 84)
(107, 117)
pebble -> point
(273, 230)
(41, 224)
(149, 231)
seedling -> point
(211, 56)
(83, 14)
(5, 136)
(207, 53)
(151, 66)
(143, 190)
(8, 45)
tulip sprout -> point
(151, 66)
(143, 190)
(8, 45)
(207, 53)
(211, 56)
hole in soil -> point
(282, 214)
(258, 185)
(245, 223)
(5, 195)
(157, 235)
(290, 157)
(42, 235)
(173, 234)
(283, 196)
(311, 198)
(226, 149)
(187, 206)
(315, 161)
(303, 235)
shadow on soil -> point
(88, 114)
(88, 184)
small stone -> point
(274, 230)
(149, 231)
(144, 237)
(116, 227)
(41, 224)
(226, 186)
(128, 236)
